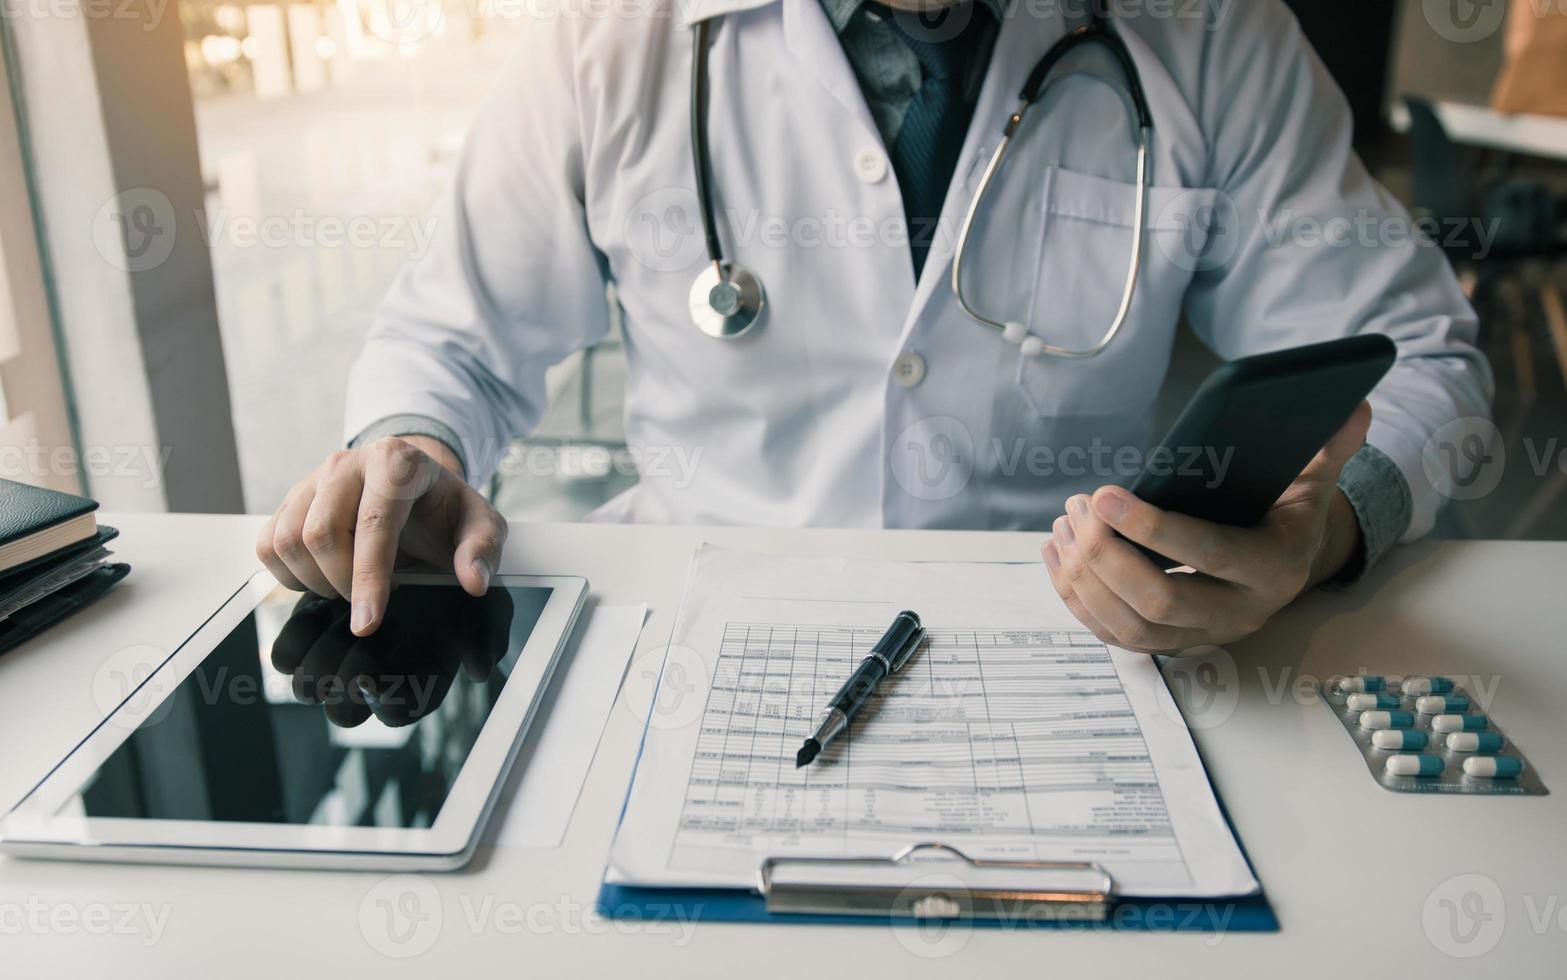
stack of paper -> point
(1014, 733)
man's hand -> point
(1239, 577)
(343, 528)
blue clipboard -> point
(1251, 913)
(1243, 913)
(1247, 913)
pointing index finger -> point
(395, 478)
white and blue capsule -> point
(1371, 702)
(1415, 765)
(1374, 720)
(1400, 739)
(1493, 767)
(1481, 742)
(1459, 723)
(1362, 684)
(1417, 686)
(1442, 704)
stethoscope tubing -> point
(735, 277)
(1032, 344)
(699, 146)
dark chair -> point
(1502, 270)
(1523, 237)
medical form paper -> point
(1014, 733)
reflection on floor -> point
(314, 203)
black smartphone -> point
(1254, 425)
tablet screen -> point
(291, 719)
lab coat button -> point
(909, 369)
(870, 165)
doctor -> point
(844, 142)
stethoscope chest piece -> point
(726, 306)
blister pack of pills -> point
(1428, 735)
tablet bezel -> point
(33, 828)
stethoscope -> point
(727, 299)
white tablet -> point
(275, 737)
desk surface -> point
(1361, 879)
(1480, 125)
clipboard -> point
(919, 882)
(911, 888)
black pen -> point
(887, 657)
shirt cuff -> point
(1383, 506)
(411, 425)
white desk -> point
(1480, 125)
(1348, 866)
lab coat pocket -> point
(1084, 254)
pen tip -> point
(807, 752)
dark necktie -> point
(930, 138)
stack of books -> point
(52, 559)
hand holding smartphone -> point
(1253, 426)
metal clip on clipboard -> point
(954, 887)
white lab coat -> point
(578, 171)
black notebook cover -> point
(26, 510)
